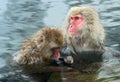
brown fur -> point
(38, 48)
(91, 33)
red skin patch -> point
(56, 53)
(75, 20)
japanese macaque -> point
(41, 48)
(84, 41)
(83, 32)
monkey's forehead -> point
(75, 10)
(82, 10)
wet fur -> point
(37, 49)
(91, 33)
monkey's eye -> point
(76, 18)
(41, 40)
(71, 18)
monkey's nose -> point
(70, 26)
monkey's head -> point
(49, 41)
(42, 47)
(79, 17)
(83, 28)
(82, 19)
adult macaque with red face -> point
(84, 42)
(83, 32)
(41, 48)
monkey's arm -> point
(85, 56)
(91, 56)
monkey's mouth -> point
(72, 33)
(72, 29)
(56, 53)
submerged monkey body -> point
(40, 47)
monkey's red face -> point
(56, 53)
(75, 21)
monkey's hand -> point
(69, 60)
(19, 59)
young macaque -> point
(41, 48)
(84, 34)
